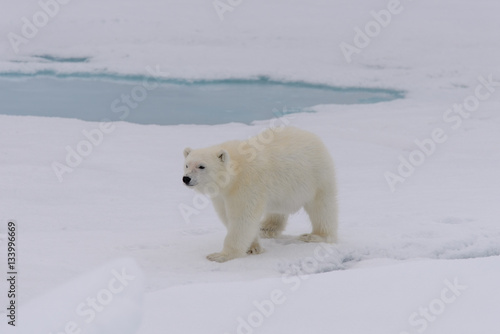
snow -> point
(398, 247)
(107, 300)
(378, 299)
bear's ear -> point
(223, 156)
(187, 150)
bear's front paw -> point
(220, 257)
(255, 248)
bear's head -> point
(207, 170)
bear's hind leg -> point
(273, 225)
(322, 211)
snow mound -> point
(104, 301)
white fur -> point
(255, 184)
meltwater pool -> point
(146, 100)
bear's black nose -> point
(186, 179)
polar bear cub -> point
(255, 184)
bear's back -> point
(287, 160)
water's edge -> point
(136, 78)
(154, 99)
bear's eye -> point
(201, 167)
(186, 166)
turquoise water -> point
(147, 100)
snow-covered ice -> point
(107, 300)
(400, 247)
